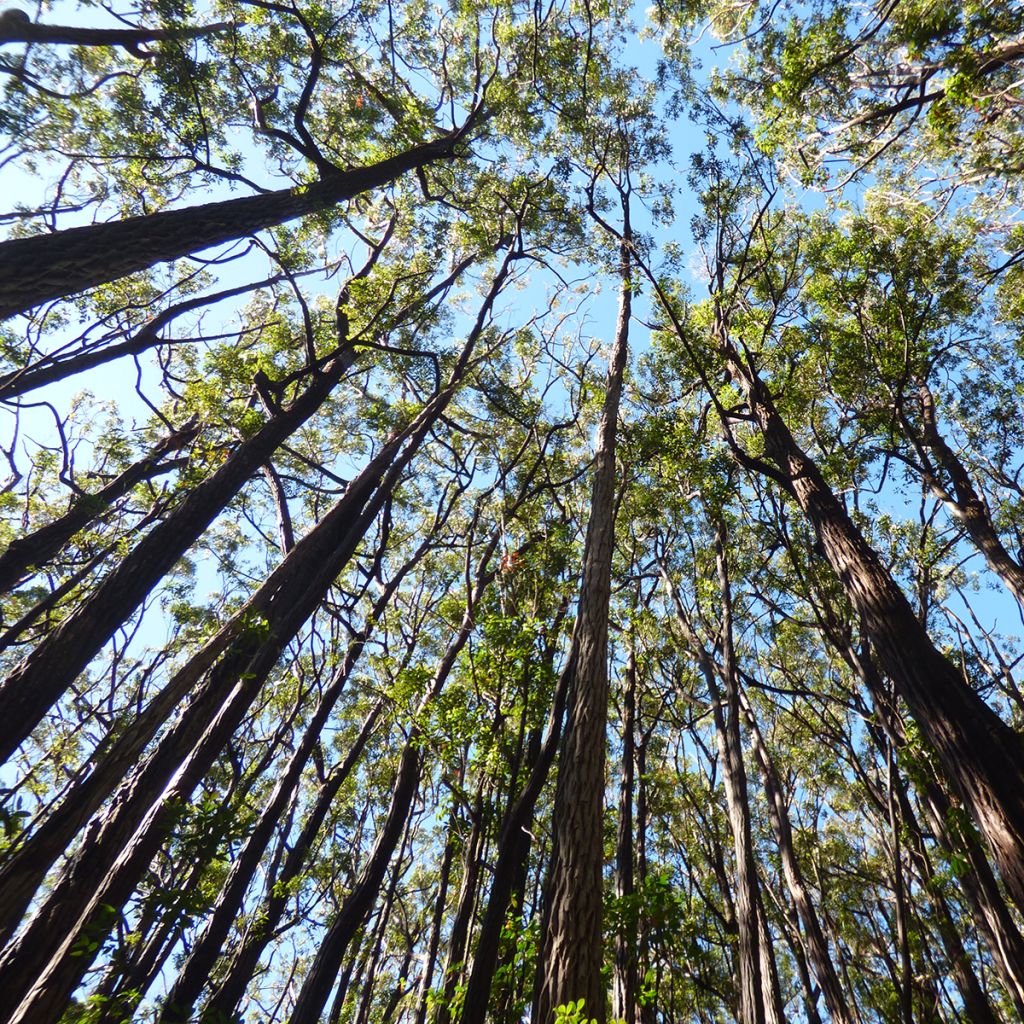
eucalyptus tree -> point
(345, 265)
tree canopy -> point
(511, 511)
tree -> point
(466, 557)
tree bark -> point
(317, 985)
(513, 850)
(814, 937)
(966, 504)
(982, 757)
(39, 268)
(753, 1008)
(626, 986)
(316, 988)
(45, 963)
(571, 950)
(23, 30)
(41, 545)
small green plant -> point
(573, 1013)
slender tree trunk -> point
(991, 914)
(967, 506)
(18, 31)
(243, 961)
(316, 988)
(648, 1011)
(436, 924)
(40, 546)
(571, 940)
(206, 949)
(814, 937)
(752, 1006)
(982, 757)
(976, 1003)
(771, 990)
(383, 919)
(38, 268)
(458, 939)
(901, 913)
(626, 987)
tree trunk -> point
(626, 985)
(243, 961)
(46, 961)
(752, 1006)
(316, 988)
(40, 546)
(38, 268)
(322, 547)
(436, 924)
(513, 853)
(967, 506)
(982, 757)
(814, 937)
(27, 31)
(571, 950)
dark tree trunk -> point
(988, 907)
(38, 682)
(571, 939)
(513, 852)
(436, 924)
(38, 268)
(26, 868)
(231, 985)
(990, 912)
(982, 757)
(626, 988)
(462, 919)
(316, 988)
(976, 1003)
(814, 937)
(27, 31)
(752, 1006)
(40, 546)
